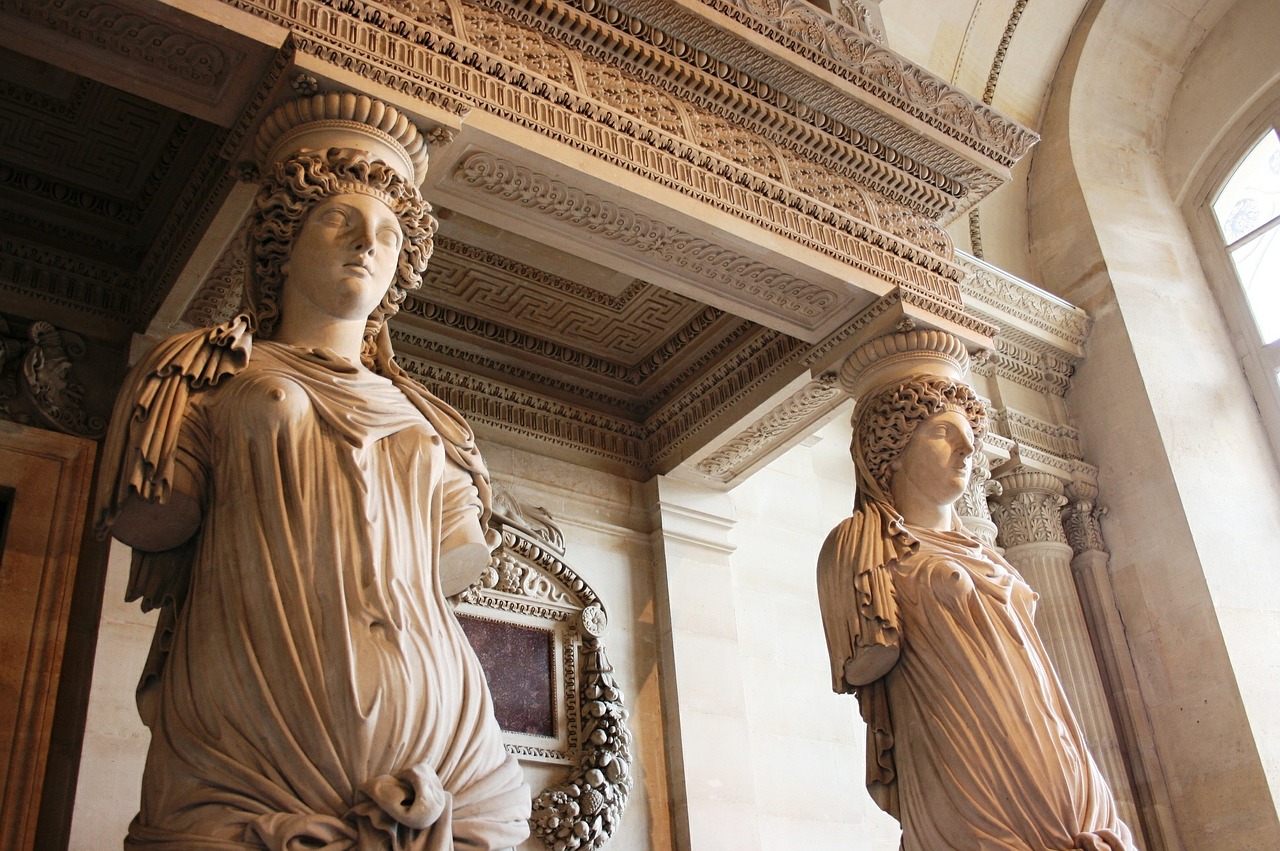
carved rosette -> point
(972, 506)
(1081, 519)
(1029, 509)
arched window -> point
(1246, 265)
(1247, 209)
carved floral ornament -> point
(36, 384)
(529, 585)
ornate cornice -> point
(644, 236)
(504, 408)
(1060, 440)
(860, 60)
(732, 460)
(998, 291)
(96, 289)
(706, 391)
(446, 66)
(649, 51)
(157, 44)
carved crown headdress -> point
(343, 120)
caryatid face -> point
(936, 463)
(344, 257)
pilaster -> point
(1090, 563)
(713, 800)
(1028, 514)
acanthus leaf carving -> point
(1029, 508)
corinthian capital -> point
(1028, 510)
(1081, 516)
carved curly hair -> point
(884, 423)
(295, 187)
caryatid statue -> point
(970, 741)
(300, 509)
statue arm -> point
(859, 613)
(156, 526)
(464, 547)
(152, 479)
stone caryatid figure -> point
(300, 509)
(971, 743)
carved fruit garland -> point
(585, 810)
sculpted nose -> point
(363, 238)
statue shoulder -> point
(201, 357)
(138, 453)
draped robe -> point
(971, 742)
(309, 686)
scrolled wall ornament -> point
(36, 384)
(527, 582)
(585, 811)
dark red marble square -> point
(518, 662)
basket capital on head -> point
(342, 120)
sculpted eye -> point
(333, 216)
(389, 236)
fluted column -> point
(1028, 514)
(972, 508)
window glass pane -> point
(1251, 197)
(1258, 265)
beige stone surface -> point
(933, 630)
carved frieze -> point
(998, 290)
(647, 238)
(743, 451)
(169, 50)
(509, 58)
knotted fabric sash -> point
(408, 812)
